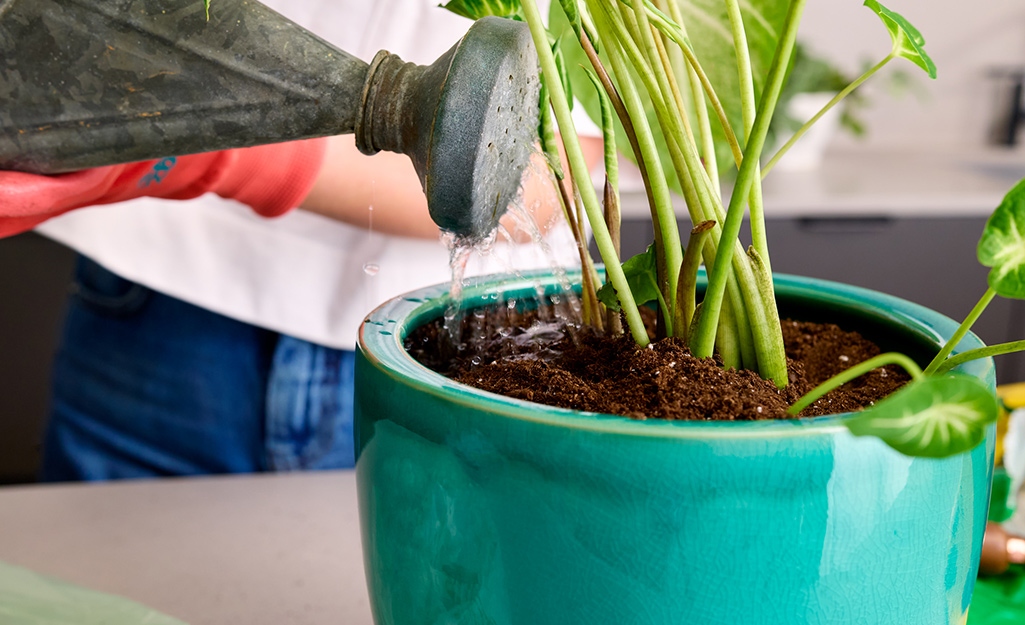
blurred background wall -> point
(967, 40)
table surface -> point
(274, 549)
(249, 549)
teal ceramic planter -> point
(479, 509)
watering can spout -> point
(89, 83)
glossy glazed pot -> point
(477, 508)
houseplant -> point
(480, 509)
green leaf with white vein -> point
(1002, 245)
(932, 417)
(476, 9)
(908, 43)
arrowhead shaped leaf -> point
(476, 9)
(641, 275)
(932, 417)
(907, 41)
(1002, 245)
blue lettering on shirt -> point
(158, 172)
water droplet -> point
(371, 269)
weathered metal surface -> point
(85, 83)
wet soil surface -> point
(532, 356)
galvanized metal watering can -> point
(86, 83)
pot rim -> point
(383, 331)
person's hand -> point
(272, 179)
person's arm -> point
(326, 176)
(350, 182)
(272, 179)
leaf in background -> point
(1002, 245)
(640, 275)
(546, 133)
(907, 41)
(932, 417)
(608, 133)
(476, 9)
(708, 30)
(206, 6)
(560, 63)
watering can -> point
(87, 83)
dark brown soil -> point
(531, 356)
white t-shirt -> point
(301, 274)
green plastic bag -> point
(28, 598)
(999, 600)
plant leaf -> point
(1002, 245)
(476, 9)
(931, 417)
(560, 63)
(640, 275)
(907, 41)
(206, 7)
(569, 7)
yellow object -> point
(1012, 396)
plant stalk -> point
(858, 370)
(962, 330)
(698, 100)
(825, 109)
(578, 170)
(703, 340)
(749, 110)
(981, 352)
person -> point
(201, 337)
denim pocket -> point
(105, 292)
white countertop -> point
(249, 550)
(865, 182)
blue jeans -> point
(146, 385)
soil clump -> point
(534, 356)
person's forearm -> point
(350, 183)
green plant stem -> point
(860, 369)
(772, 361)
(962, 330)
(613, 324)
(578, 170)
(980, 352)
(687, 291)
(697, 99)
(669, 250)
(703, 339)
(675, 33)
(749, 110)
(676, 118)
(737, 347)
(811, 122)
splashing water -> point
(565, 310)
(371, 269)
(459, 251)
